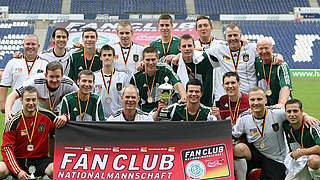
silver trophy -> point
(165, 93)
(32, 170)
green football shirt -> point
(77, 64)
(173, 49)
(92, 112)
(178, 113)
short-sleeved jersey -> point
(40, 83)
(70, 107)
(15, 138)
(280, 77)
(173, 49)
(139, 116)
(246, 68)
(218, 89)
(273, 139)
(225, 109)
(310, 137)
(16, 72)
(204, 72)
(119, 80)
(50, 56)
(125, 59)
(178, 112)
(139, 80)
(77, 63)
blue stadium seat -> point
(33, 6)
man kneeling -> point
(25, 139)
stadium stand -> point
(48, 37)
(11, 38)
(297, 42)
(33, 6)
(212, 7)
(124, 6)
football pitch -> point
(304, 90)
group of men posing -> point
(215, 80)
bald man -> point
(275, 79)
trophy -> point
(32, 170)
(165, 93)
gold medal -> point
(108, 100)
(150, 100)
(262, 145)
(30, 147)
(268, 92)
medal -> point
(262, 145)
(108, 100)
(79, 103)
(150, 100)
(268, 92)
(30, 147)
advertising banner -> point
(147, 150)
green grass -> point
(305, 90)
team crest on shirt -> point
(80, 68)
(41, 127)
(254, 131)
(23, 132)
(119, 86)
(135, 57)
(275, 127)
(40, 71)
(19, 70)
(116, 57)
(226, 58)
(245, 57)
(226, 105)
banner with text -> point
(143, 32)
(165, 150)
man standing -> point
(59, 52)
(232, 104)
(303, 142)
(109, 82)
(86, 58)
(167, 44)
(25, 139)
(264, 131)
(18, 70)
(82, 105)
(152, 77)
(193, 66)
(274, 79)
(130, 99)
(193, 110)
(51, 85)
(204, 28)
(127, 53)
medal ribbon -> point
(33, 127)
(234, 116)
(154, 76)
(235, 65)
(187, 114)
(164, 49)
(264, 123)
(104, 81)
(29, 70)
(301, 136)
(125, 59)
(87, 104)
(209, 43)
(264, 73)
(195, 71)
(50, 102)
(85, 59)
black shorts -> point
(41, 163)
(270, 169)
